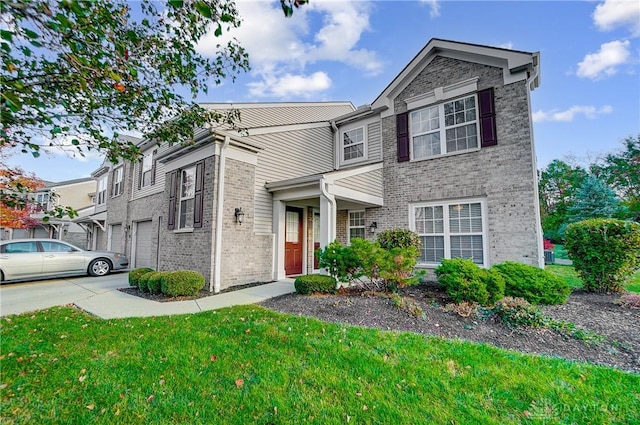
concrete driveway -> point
(16, 298)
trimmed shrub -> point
(181, 282)
(143, 281)
(399, 238)
(311, 283)
(605, 252)
(535, 285)
(135, 274)
(466, 281)
(153, 281)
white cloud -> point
(280, 50)
(605, 62)
(568, 115)
(434, 5)
(618, 13)
(291, 85)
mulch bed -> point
(202, 294)
(620, 326)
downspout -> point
(332, 201)
(214, 282)
(336, 140)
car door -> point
(20, 260)
(59, 257)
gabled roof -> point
(49, 185)
(516, 65)
(273, 114)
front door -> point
(293, 241)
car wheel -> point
(99, 267)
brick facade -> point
(502, 174)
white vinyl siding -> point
(445, 128)
(283, 158)
(159, 181)
(374, 141)
(455, 229)
(370, 183)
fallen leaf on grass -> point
(91, 406)
(150, 398)
(214, 357)
(239, 383)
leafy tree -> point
(558, 184)
(16, 210)
(621, 171)
(594, 199)
(81, 72)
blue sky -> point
(588, 100)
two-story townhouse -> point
(445, 150)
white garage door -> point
(116, 238)
(143, 244)
(39, 232)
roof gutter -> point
(215, 280)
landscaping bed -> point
(598, 313)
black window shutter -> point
(487, 112)
(173, 197)
(153, 168)
(198, 197)
(139, 163)
(112, 176)
(402, 133)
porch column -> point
(279, 215)
(327, 221)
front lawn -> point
(571, 276)
(248, 364)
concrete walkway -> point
(100, 297)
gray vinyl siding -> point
(158, 185)
(374, 136)
(369, 183)
(288, 155)
(276, 115)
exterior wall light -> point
(373, 226)
(239, 214)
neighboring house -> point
(445, 150)
(77, 194)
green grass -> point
(64, 366)
(571, 276)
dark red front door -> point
(293, 241)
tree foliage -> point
(79, 73)
(621, 171)
(594, 199)
(16, 207)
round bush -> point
(605, 252)
(182, 282)
(463, 280)
(399, 238)
(143, 281)
(311, 283)
(152, 281)
(535, 285)
(135, 274)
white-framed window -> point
(452, 229)
(444, 128)
(147, 170)
(356, 225)
(353, 144)
(42, 200)
(102, 190)
(118, 175)
(187, 197)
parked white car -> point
(22, 259)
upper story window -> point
(450, 230)
(41, 201)
(118, 185)
(356, 225)
(444, 128)
(353, 144)
(147, 171)
(187, 197)
(102, 190)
